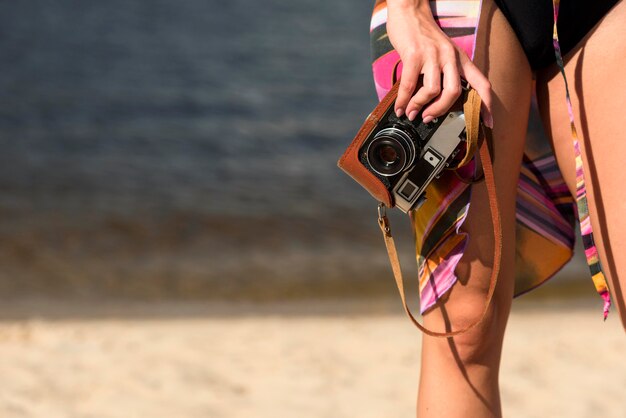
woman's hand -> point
(425, 49)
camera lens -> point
(390, 152)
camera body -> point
(395, 159)
(407, 155)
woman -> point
(459, 376)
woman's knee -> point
(468, 303)
(469, 300)
(482, 343)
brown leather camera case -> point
(349, 161)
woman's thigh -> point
(597, 84)
(501, 58)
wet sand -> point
(306, 359)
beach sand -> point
(296, 359)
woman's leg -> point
(597, 83)
(459, 376)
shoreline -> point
(46, 308)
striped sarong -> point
(546, 212)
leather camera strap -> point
(472, 110)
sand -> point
(331, 359)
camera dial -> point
(390, 152)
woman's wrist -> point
(415, 13)
(410, 5)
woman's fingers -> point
(451, 91)
(481, 84)
(408, 82)
(430, 89)
(430, 92)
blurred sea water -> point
(156, 149)
(195, 106)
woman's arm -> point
(425, 49)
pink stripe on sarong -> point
(442, 278)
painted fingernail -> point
(412, 115)
(427, 119)
(399, 112)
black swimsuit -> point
(532, 21)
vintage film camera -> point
(402, 156)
